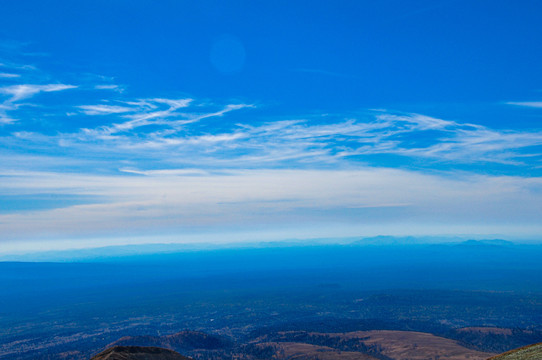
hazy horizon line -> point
(163, 248)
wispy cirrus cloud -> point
(174, 131)
(16, 93)
(534, 104)
(401, 135)
(9, 75)
(165, 172)
(24, 91)
(145, 112)
(112, 87)
(154, 111)
(449, 141)
(104, 109)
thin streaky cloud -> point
(18, 66)
(112, 87)
(141, 103)
(9, 75)
(104, 109)
(199, 117)
(16, 93)
(534, 104)
(173, 103)
(4, 119)
(24, 91)
(141, 116)
(160, 117)
(160, 142)
(165, 172)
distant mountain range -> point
(126, 252)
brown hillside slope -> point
(138, 353)
(531, 352)
(391, 344)
(411, 345)
(300, 351)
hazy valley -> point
(457, 301)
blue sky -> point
(184, 121)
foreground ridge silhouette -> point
(529, 352)
(138, 353)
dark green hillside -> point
(531, 352)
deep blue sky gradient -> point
(445, 56)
